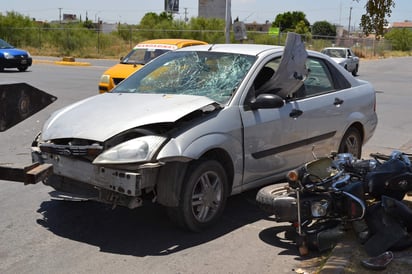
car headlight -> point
(8, 55)
(136, 150)
(105, 79)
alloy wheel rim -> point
(206, 196)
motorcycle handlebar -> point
(406, 157)
(340, 182)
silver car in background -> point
(199, 124)
(344, 57)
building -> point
(212, 9)
(402, 25)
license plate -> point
(23, 62)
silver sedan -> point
(344, 57)
(199, 124)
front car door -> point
(273, 138)
(350, 60)
(310, 123)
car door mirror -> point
(266, 100)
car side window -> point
(319, 79)
(265, 74)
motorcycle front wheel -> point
(272, 197)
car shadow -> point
(13, 71)
(140, 232)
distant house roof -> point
(405, 24)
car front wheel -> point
(355, 71)
(22, 68)
(351, 143)
(203, 196)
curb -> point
(64, 63)
(339, 258)
(346, 255)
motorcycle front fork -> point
(301, 241)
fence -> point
(83, 42)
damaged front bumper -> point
(79, 178)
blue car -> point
(11, 57)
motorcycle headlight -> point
(136, 150)
(319, 208)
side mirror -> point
(266, 100)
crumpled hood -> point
(103, 116)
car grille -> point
(70, 150)
(20, 56)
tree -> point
(151, 19)
(401, 39)
(290, 20)
(374, 20)
(323, 28)
(302, 28)
(13, 28)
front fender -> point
(194, 150)
(174, 151)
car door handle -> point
(338, 102)
(295, 113)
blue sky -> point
(131, 11)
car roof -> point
(336, 48)
(172, 43)
(247, 49)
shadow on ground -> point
(141, 232)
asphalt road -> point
(38, 235)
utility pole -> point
(186, 19)
(60, 15)
(228, 20)
(350, 15)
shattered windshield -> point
(5, 45)
(335, 53)
(212, 74)
(142, 55)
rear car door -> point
(325, 104)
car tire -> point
(351, 143)
(22, 68)
(355, 71)
(203, 196)
(266, 196)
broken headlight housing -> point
(135, 150)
